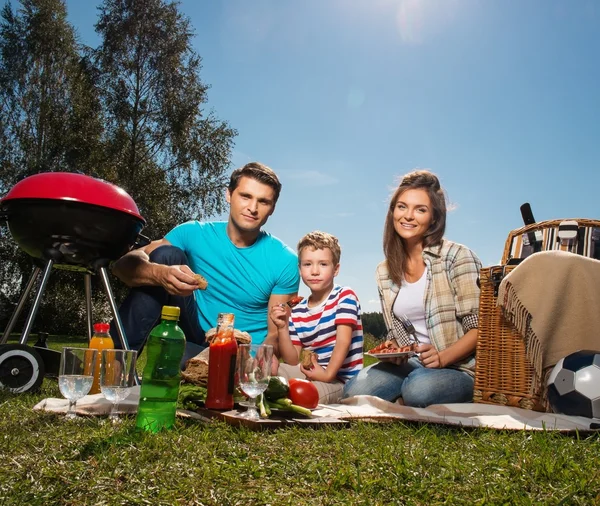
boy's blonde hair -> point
(321, 240)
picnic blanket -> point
(490, 416)
(552, 299)
(93, 405)
(366, 407)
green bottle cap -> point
(170, 313)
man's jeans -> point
(140, 311)
(417, 385)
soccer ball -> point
(574, 385)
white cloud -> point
(344, 215)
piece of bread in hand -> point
(202, 283)
(306, 358)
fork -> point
(409, 327)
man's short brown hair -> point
(321, 240)
(258, 172)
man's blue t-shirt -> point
(240, 280)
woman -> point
(433, 281)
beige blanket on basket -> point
(553, 299)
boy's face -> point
(317, 268)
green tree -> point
(374, 324)
(164, 148)
(49, 112)
(130, 111)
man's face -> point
(251, 204)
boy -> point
(327, 323)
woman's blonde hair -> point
(321, 240)
(393, 245)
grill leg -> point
(115, 312)
(113, 308)
(88, 303)
(36, 302)
(19, 308)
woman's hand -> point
(279, 315)
(429, 356)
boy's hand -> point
(279, 315)
(317, 373)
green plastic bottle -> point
(162, 373)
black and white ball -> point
(574, 385)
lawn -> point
(46, 460)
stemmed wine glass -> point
(76, 375)
(254, 372)
(117, 377)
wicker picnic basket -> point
(503, 373)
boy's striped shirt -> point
(315, 329)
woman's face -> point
(412, 215)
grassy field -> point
(46, 460)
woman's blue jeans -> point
(140, 311)
(417, 385)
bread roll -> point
(240, 337)
(196, 369)
(202, 283)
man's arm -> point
(136, 269)
(272, 334)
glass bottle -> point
(162, 373)
(100, 340)
(221, 365)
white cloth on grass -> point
(95, 404)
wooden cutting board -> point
(277, 420)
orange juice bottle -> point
(101, 340)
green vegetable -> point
(189, 394)
(285, 404)
(264, 409)
(277, 389)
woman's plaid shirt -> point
(451, 297)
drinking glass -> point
(254, 372)
(76, 375)
(117, 377)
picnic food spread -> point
(390, 346)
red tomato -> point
(303, 393)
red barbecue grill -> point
(68, 221)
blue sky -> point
(501, 98)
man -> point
(247, 269)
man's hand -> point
(176, 279)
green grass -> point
(46, 460)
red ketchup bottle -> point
(221, 365)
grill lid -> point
(76, 188)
